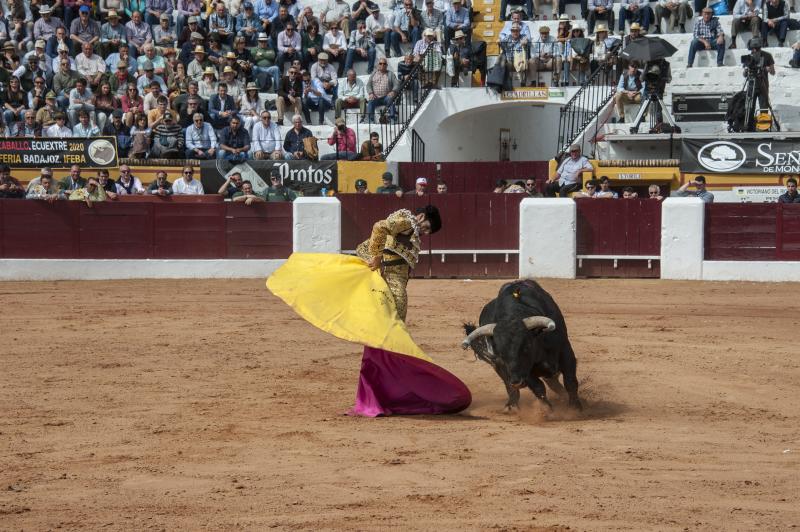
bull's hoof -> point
(576, 405)
(508, 409)
(545, 401)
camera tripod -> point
(750, 104)
(653, 100)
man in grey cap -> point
(568, 177)
(188, 19)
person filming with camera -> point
(759, 65)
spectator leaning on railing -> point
(567, 178)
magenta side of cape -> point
(391, 383)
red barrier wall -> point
(752, 231)
(479, 177)
(618, 227)
(145, 228)
(469, 222)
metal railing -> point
(414, 89)
(417, 148)
(587, 103)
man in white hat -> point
(457, 18)
(323, 69)
(420, 187)
(525, 31)
(514, 45)
(46, 26)
(42, 61)
(600, 10)
(432, 63)
(264, 58)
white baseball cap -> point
(422, 181)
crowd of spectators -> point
(185, 78)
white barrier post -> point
(682, 238)
(317, 225)
(547, 238)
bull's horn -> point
(483, 330)
(539, 322)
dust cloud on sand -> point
(196, 405)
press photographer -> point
(655, 76)
(758, 66)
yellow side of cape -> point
(341, 295)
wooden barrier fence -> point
(195, 227)
(752, 231)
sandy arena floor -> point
(209, 405)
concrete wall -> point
(464, 125)
(547, 238)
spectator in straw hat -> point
(264, 58)
(208, 86)
(599, 10)
(635, 11)
(602, 47)
(461, 52)
(457, 18)
(112, 34)
(197, 67)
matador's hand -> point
(375, 263)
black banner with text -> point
(95, 152)
(306, 177)
(740, 156)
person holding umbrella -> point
(708, 35)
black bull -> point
(523, 336)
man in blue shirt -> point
(629, 89)
(456, 18)
(234, 142)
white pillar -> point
(317, 225)
(547, 238)
(682, 238)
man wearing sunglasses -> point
(187, 185)
(266, 141)
(290, 94)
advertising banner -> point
(740, 156)
(95, 152)
(306, 177)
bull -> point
(523, 336)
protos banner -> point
(306, 177)
(98, 152)
(740, 156)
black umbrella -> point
(648, 49)
(581, 45)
